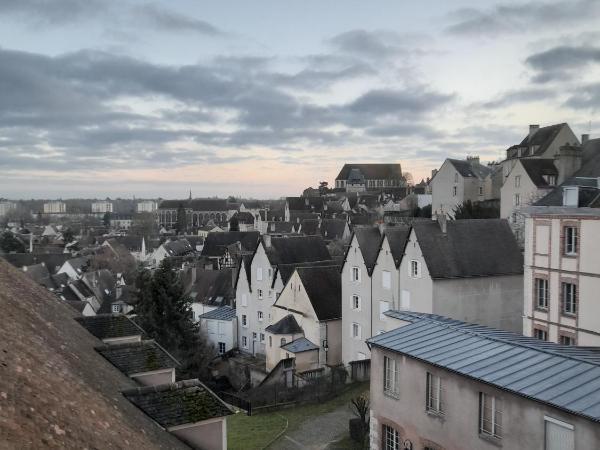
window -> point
(260, 316)
(270, 341)
(244, 300)
(567, 340)
(253, 335)
(116, 308)
(454, 191)
(244, 320)
(282, 342)
(490, 415)
(559, 435)
(540, 334)
(383, 307)
(221, 348)
(405, 299)
(356, 302)
(356, 331)
(434, 393)
(541, 293)
(244, 342)
(390, 377)
(262, 337)
(391, 438)
(270, 272)
(386, 279)
(480, 190)
(570, 240)
(259, 274)
(356, 274)
(569, 298)
(456, 178)
(517, 200)
(518, 181)
(415, 269)
(260, 294)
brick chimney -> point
(567, 161)
(533, 129)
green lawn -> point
(255, 432)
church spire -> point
(190, 194)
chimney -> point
(442, 221)
(119, 292)
(533, 129)
(584, 138)
(567, 161)
(267, 240)
(473, 159)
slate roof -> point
(305, 203)
(589, 193)
(244, 217)
(310, 227)
(323, 285)
(297, 249)
(222, 313)
(369, 241)
(138, 357)
(53, 261)
(397, 237)
(216, 243)
(299, 216)
(280, 227)
(286, 270)
(300, 345)
(178, 247)
(543, 137)
(590, 159)
(333, 228)
(372, 171)
(470, 169)
(470, 248)
(560, 376)
(187, 401)
(287, 325)
(213, 287)
(47, 364)
(197, 204)
(109, 326)
(536, 169)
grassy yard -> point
(255, 432)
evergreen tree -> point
(9, 243)
(181, 224)
(470, 210)
(165, 313)
(106, 219)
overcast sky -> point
(264, 98)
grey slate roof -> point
(179, 403)
(222, 313)
(589, 193)
(286, 270)
(369, 241)
(138, 357)
(300, 345)
(543, 137)
(372, 171)
(213, 287)
(397, 237)
(215, 244)
(178, 247)
(470, 169)
(537, 168)
(108, 326)
(564, 377)
(470, 248)
(297, 249)
(287, 325)
(323, 285)
(197, 204)
(333, 228)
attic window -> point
(550, 179)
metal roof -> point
(222, 313)
(300, 345)
(565, 377)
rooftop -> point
(110, 326)
(137, 357)
(222, 313)
(300, 345)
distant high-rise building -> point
(56, 207)
(147, 206)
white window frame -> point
(261, 337)
(434, 401)
(454, 191)
(221, 347)
(540, 334)
(259, 274)
(541, 293)
(116, 308)
(244, 300)
(260, 294)
(391, 377)
(414, 269)
(386, 279)
(390, 438)
(517, 200)
(244, 342)
(491, 402)
(569, 298)
(355, 330)
(356, 274)
(571, 238)
(357, 306)
(517, 181)
(244, 320)
(260, 316)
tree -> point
(408, 179)
(234, 224)
(181, 224)
(425, 211)
(10, 244)
(359, 426)
(323, 187)
(470, 210)
(106, 219)
(164, 311)
(68, 236)
(144, 224)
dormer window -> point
(550, 179)
(571, 196)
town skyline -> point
(155, 99)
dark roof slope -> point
(372, 171)
(137, 357)
(470, 169)
(369, 241)
(179, 403)
(470, 248)
(542, 371)
(300, 345)
(286, 270)
(287, 325)
(53, 261)
(324, 289)
(397, 237)
(215, 244)
(109, 326)
(333, 228)
(57, 391)
(178, 247)
(213, 287)
(222, 313)
(297, 249)
(538, 168)
(543, 137)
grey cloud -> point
(559, 63)
(369, 44)
(54, 12)
(586, 97)
(525, 95)
(521, 18)
(388, 101)
(169, 20)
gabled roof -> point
(397, 237)
(286, 270)
(372, 171)
(215, 244)
(588, 195)
(469, 248)
(470, 169)
(538, 168)
(222, 313)
(178, 247)
(543, 137)
(305, 203)
(244, 217)
(333, 228)
(213, 287)
(300, 345)
(138, 357)
(296, 249)
(181, 403)
(279, 227)
(287, 325)
(323, 285)
(310, 227)
(53, 261)
(560, 376)
(110, 326)
(369, 242)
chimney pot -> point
(533, 129)
(267, 240)
(442, 221)
(584, 138)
